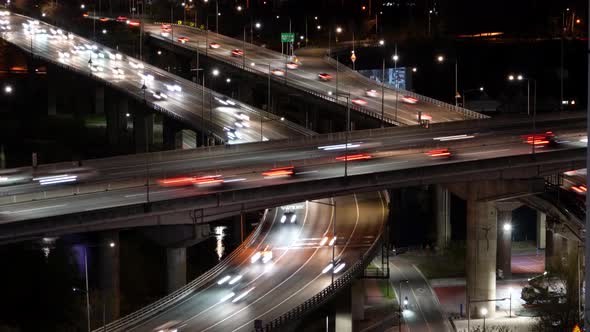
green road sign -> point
(287, 37)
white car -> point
(118, 71)
(263, 256)
(173, 87)
(95, 68)
(291, 217)
(136, 65)
(371, 93)
(159, 95)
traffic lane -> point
(423, 312)
(305, 273)
(370, 215)
(208, 296)
(389, 162)
(282, 268)
(307, 75)
(182, 101)
(287, 155)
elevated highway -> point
(197, 107)
(397, 157)
(398, 108)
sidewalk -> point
(516, 324)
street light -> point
(520, 77)
(507, 227)
(484, 312)
(381, 42)
(441, 59)
(111, 244)
(8, 89)
(104, 31)
(395, 59)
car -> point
(242, 116)
(353, 157)
(121, 18)
(183, 39)
(292, 65)
(118, 71)
(208, 180)
(440, 153)
(581, 189)
(279, 172)
(424, 117)
(104, 19)
(263, 256)
(159, 95)
(173, 87)
(95, 68)
(289, 216)
(544, 139)
(409, 100)
(371, 93)
(135, 65)
(214, 45)
(358, 101)
(63, 55)
(134, 23)
(278, 72)
(237, 52)
(147, 77)
(324, 77)
(232, 133)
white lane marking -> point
(314, 279)
(484, 152)
(259, 276)
(34, 209)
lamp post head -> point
(440, 58)
(414, 69)
(519, 77)
(507, 227)
(395, 57)
(239, 8)
(481, 88)
(382, 42)
(258, 25)
(112, 244)
(215, 72)
(338, 30)
(511, 77)
(484, 311)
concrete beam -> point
(178, 236)
(492, 190)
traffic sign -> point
(287, 37)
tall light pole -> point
(395, 59)
(521, 77)
(111, 244)
(441, 59)
(587, 240)
(216, 15)
(484, 312)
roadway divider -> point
(312, 304)
(171, 299)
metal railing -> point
(327, 293)
(181, 293)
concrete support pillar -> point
(99, 100)
(442, 215)
(550, 250)
(343, 313)
(187, 139)
(481, 254)
(143, 130)
(176, 268)
(504, 255)
(116, 119)
(51, 98)
(541, 230)
(109, 276)
(172, 134)
(357, 291)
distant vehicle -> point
(232, 133)
(324, 77)
(118, 71)
(95, 68)
(353, 157)
(360, 102)
(183, 39)
(278, 72)
(440, 153)
(290, 216)
(371, 93)
(292, 65)
(279, 172)
(122, 18)
(409, 100)
(104, 19)
(159, 95)
(263, 256)
(214, 45)
(237, 52)
(133, 23)
(544, 139)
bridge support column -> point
(481, 255)
(357, 291)
(551, 240)
(176, 268)
(442, 215)
(116, 118)
(541, 230)
(99, 100)
(143, 129)
(504, 255)
(109, 275)
(343, 313)
(172, 134)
